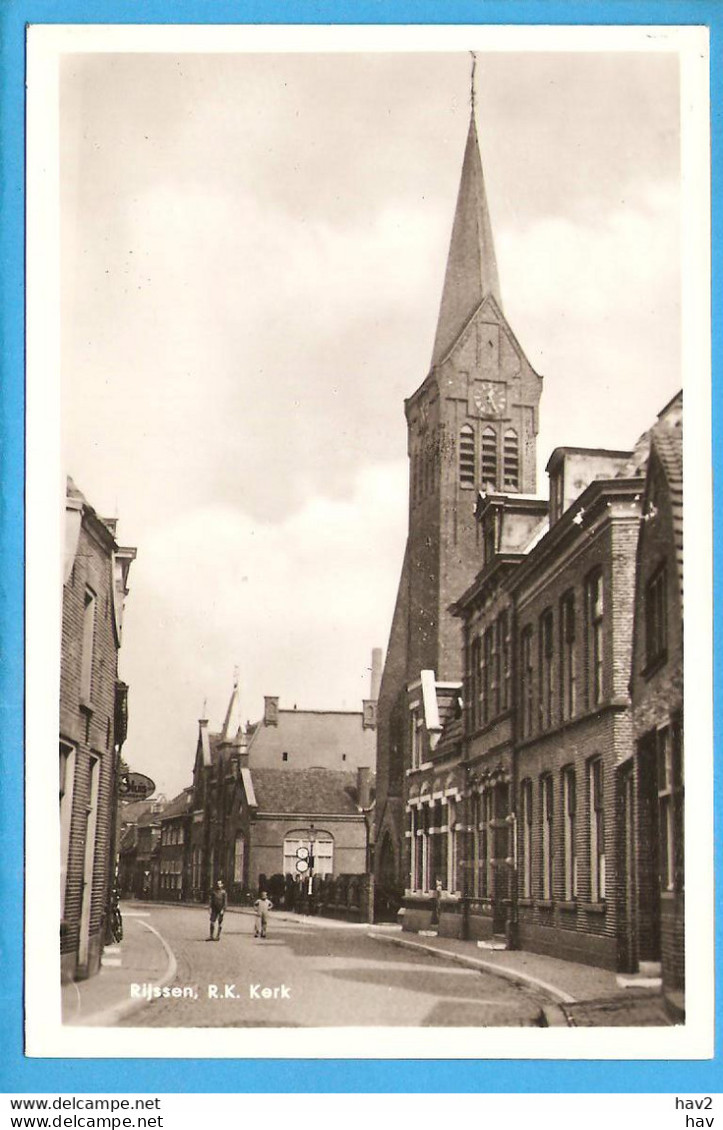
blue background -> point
(18, 1074)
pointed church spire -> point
(471, 264)
(232, 722)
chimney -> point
(376, 673)
(363, 786)
(271, 710)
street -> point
(316, 974)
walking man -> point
(217, 907)
(262, 906)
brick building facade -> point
(296, 775)
(92, 728)
(652, 780)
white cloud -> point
(297, 605)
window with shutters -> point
(475, 662)
(670, 808)
(547, 819)
(546, 669)
(594, 613)
(238, 858)
(567, 656)
(569, 806)
(526, 837)
(656, 619)
(67, 784)
(504, 652)
(466, 456)
(86, 663)
(511, 460)
(526, 680)
(489, 459)
(597, 830)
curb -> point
(106, 1017)
(554, 1016)
(527, 979)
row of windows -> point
(490, 672)
(172, 834)
(435, 856)
(434, 847)
(171, 867)
(492, 460)
(549, 673)
(544, 815)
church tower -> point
(472, 426)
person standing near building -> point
(217, 908)
(262, 906)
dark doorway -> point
(388, 891)
(648, 851)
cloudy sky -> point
(253, 250)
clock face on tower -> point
(490, 398)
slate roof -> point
(180, 805)
(310, 791)
(132, 812)
(471, 264)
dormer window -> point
(466, 456)
(489, 458)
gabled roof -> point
(471, 264)
(179, 806)
(306, 791)
(130, 813)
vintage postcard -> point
(359, 521)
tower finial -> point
(471, 81)
(235, 676)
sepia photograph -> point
(356, 370)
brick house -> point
(306, 745)
(573, 598)
(651, 780)
(175, 851)
(92, 728)
(139, 859)
(320, 813)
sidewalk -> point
(584, 995)
(142, 958)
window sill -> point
(595, 907)
(525, 902)
(86, 706)
(545, 904)
(568, 904)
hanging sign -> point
(135, 786)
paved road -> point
(320, 976)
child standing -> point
(262, 906)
